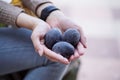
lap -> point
(17, 52)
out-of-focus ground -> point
(100, 20)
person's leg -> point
(51, 71)
(17, 53)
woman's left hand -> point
(59, 20)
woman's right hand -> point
(39, 29)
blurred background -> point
(100, 20)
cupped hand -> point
(39, 31)
(58, 19)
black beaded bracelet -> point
(46, 12)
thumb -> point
(37, 45)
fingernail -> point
(66, 61)
(40, 53)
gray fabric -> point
(9, 13)
(17, 53)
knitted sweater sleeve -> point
(9, 13)
(34, 4)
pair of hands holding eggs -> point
(62, 43)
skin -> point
(40, 28)
(57, 18)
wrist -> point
(55, 18)
(55, 15)
(39, 10)
(27, 21)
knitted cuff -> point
(34, 4)
(9, 13)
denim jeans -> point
(17, 53)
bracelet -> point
(46, 12)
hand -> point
(58, 19)
(38, 41)
(39, 29)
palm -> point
(63, 22)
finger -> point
(37, 45)
(42, 41)
(83, 38)
(54, 60)
(84, 41)
(80, 49)
(54, 56)
(75, 56)
(71, 58)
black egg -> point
(72, 36)
(52, 36)
(64, 48)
